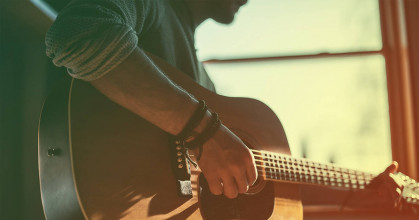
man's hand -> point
(227, 164)
(387, 187)
(382, 192)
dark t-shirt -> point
(91, 37)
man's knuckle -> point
(230, 195)
(216, 190)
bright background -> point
(333, 109)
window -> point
(319, 65)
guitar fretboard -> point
(283, 168)
(278, 167)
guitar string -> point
(270, 156)
(337, 184)
(304, 174)
(328, 174)
(316, 181)
(314, 170)
(278, 172)
(313, 166)
(345, 176)
(302, 162)
(300, 166)
(321, 176)
(343, 184)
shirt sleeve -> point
(91, 37)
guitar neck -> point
(283, 168)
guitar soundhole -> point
(257, 187)
(245, 206)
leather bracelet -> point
(194, 120)
(205, 136)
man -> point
(104, 42)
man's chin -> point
(225, 19)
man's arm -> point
(140, 86)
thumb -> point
(392, 168)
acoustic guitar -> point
(98, 160)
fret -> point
(339, 172)
(277, 170)
(265, 165)
(277, 165)
(272, 170)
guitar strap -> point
(180, 166)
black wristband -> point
(194, 120)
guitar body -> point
(99, 161)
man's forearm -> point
(141, 87)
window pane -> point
(287, 27)
(333, 109)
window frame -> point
(401, 86)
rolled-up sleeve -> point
(90, 38)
